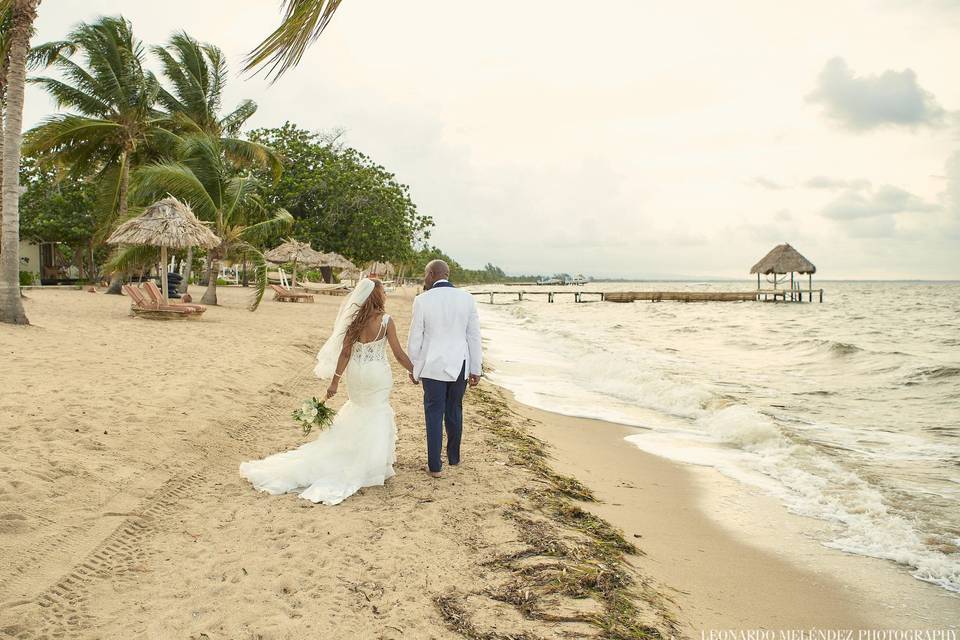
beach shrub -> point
(26, 278)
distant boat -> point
(579, 280)
(549, 281)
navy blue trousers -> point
(443, 407)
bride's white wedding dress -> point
(356, 451)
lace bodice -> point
(375, 350)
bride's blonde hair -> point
(371, 307)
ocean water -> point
(847, 411)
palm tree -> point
(206, 178)
(112, 124)
(303, 22)
(197, 75)
(22, 13)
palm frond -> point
(259, 264)
(242, 203)
(217, 77)
(65, 130)
(303, 22)
(154, 181)
(203, 156)
(268, 229)
(80, 77)
(246, 154)
(185, 67)
(67, 96)
(44, 55)
(231, 123)
(133, 258)
(163, 142)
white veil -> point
(330, 351)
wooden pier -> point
(759, 295)
(578, 296)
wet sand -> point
(731, 558)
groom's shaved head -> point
(436, 270)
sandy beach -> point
(122, 513)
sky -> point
(626, 138)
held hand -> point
(474, 380)
(412, 379)
(332, 390)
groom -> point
(445, 348)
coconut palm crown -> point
(110, 121)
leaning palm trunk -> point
(185, 283)
(11, 307)
(116, 280)
(4, 66)
(213, 268)
(116, 284)
(3, 101)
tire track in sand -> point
(120, 555)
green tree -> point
(58, 206)
(341, 200)
(112, 123)
(458, 273)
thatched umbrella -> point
(330, 261)
(351, 274)
(336, 261)
(381, 268)
(783, 259)
(168, 224)
(295, 252)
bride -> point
(358, 449)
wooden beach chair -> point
(324, 288)
(156, 297)
(140, 305)
(285, 295)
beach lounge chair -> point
(285, 295)
(156, 297)
(324, 288)
(141, 305)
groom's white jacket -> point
(445, 333)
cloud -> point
(886, 201)
(765, 183)
(860, 103)
(824, 182)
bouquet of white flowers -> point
(314, 413)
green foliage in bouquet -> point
(314, 413)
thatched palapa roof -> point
(783, 259)
(381, 269)
(351, 274)
(166, 223)
(293, 251)
(336, 261)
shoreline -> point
(730, 557)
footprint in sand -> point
(14, 523)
